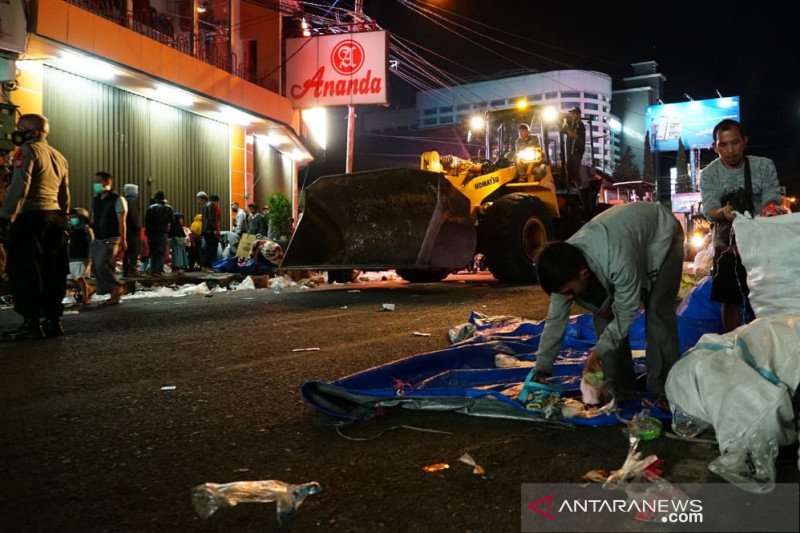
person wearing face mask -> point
(109, 212)
(33, 224)
(80, 242)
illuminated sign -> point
(341, 69)
(692, 122)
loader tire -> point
(414, 275)
(513, 230)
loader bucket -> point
(388, 218)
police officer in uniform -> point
(33, 221)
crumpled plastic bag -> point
(209, 497)
(246, 285)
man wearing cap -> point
(37, 203)
(575, 130)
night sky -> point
(699, 49)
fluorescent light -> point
(85, 66)
(615, 125)
(171, 96)
(316, 118)
(298, 155)
(26, 65)
(234, 116)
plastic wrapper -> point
(750, 465)
(686, 425)
(644, 427)
(210, 497)
(634, 466)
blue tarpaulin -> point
(465, 377)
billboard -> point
(692, 122)
(341, 69)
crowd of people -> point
(48, 242)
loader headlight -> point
(530, 154)
(697, 240)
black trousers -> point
(131, 259)
(210, 244)
(38, 262)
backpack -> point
(197, 224)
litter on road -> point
(210, 497)
(169, 388)
(387, 307)
(435, 467)
(421, 334)
(306, 349)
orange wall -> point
(29, 94)
(263, 26)
(81, 29)
(238, 165)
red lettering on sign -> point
(321, 87)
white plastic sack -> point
(770, 251)
(742, 384)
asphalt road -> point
(90, 442)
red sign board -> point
(342, 69)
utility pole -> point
(351, 114)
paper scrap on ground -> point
(168, 388)
(421, 334)
(468, 460)
(306, 349)
(388, 307)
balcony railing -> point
(211, 43)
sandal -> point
(537, 396)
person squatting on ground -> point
(724, 190)
(133, 225)
(109, 212)
(33, 225)
(157, 223)
(629, 254)
(80, 242)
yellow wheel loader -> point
(430, 221)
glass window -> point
(462, 107)
(430, 112)
(570, 94)
(590, 106)
(429, 121)
(593, 96)
(446, 109)
(496, 103)
(550, 96)
(534, 97)
(446, 120)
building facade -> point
(172, 95)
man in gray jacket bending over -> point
(627, 255)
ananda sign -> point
(343, 69)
